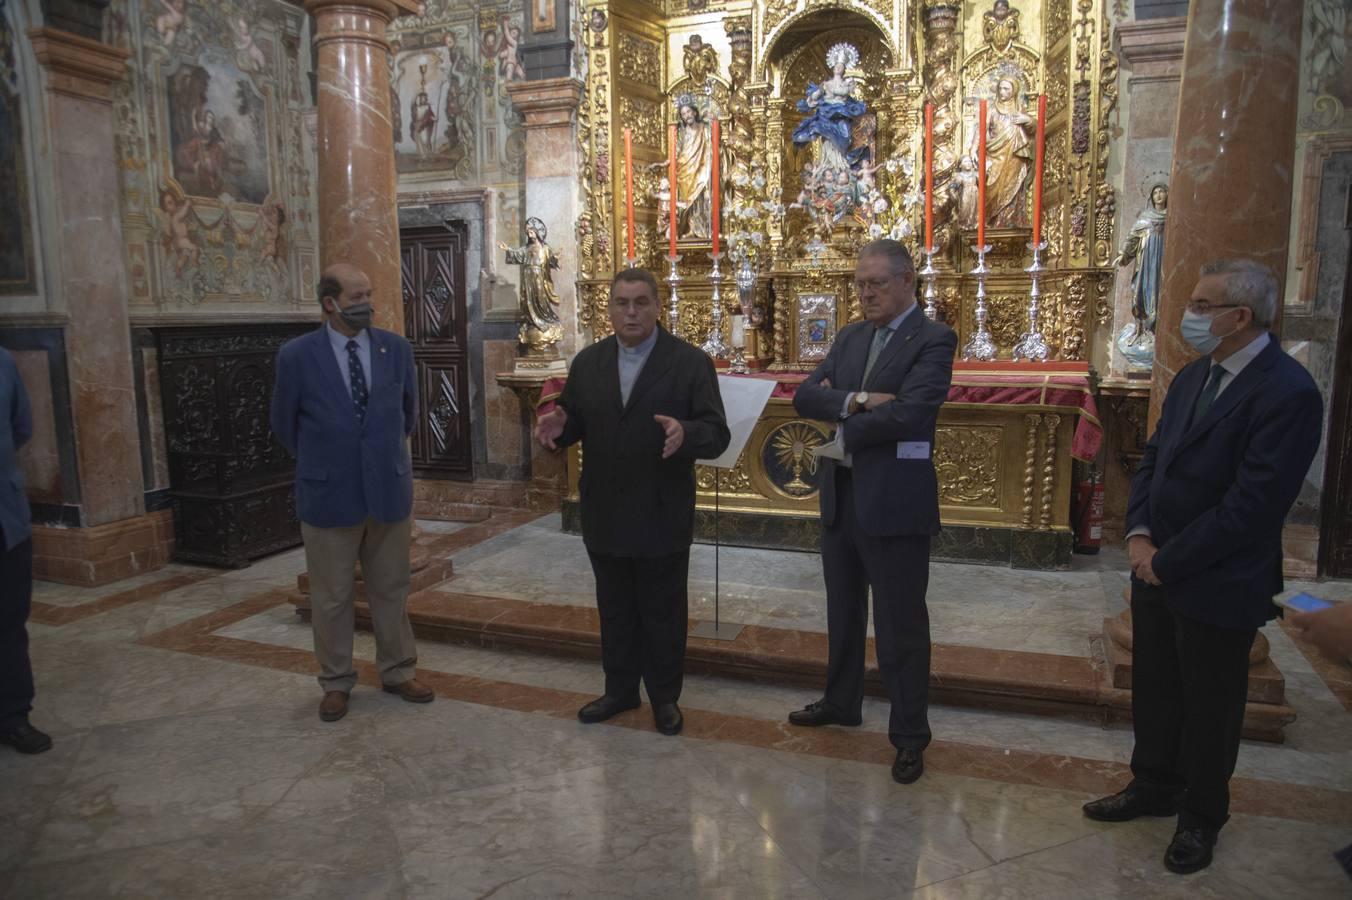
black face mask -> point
(357, 316)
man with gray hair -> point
(1236, 435)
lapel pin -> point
(382, 349)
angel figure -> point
(963, 190)
(273, 244)
(700, 60)
(1000, 26)
(174, 237)
(509, 55)
(169, 22)
(540, 326)
(248, 55)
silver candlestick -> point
(981, 346)
(1032, 346)
(714, 344)
(674, 305)
(631, 262)
(928, 273)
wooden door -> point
(432, 264)
(1335, 539)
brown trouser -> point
(331, 555)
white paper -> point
(744, 400)
(913, 450)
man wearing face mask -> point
(344, 403)
(1235, 438)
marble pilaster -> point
(358, 219)
(1230, 187)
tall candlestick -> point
(671, 201)
(629, 196)
(1037, 171)
(981, 176)
(929, 177)
(714, 184)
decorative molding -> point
(1317, 151)
(77, 66)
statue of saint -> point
(540, 326)
(1145, 246)
(831, 111)
(1009, 157)
(694, 170)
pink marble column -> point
(358, 215)
(1230, 188)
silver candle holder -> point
(714, 345)
(981, 346)
(1032, 346)
(673, 280)
(929, 273)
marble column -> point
(89, 285)
(1230, 186)
(358, 212)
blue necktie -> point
(357, 381)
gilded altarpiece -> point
(821, 104)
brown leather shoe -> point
(413, 690)
(334, 706)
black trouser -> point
(645, 615)
(897, 568)
(1189, 685)
(16, 601)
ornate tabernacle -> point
(821, 105)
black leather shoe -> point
(909, 766)
(1126, 805)
(26, 739)
(605, 707)
(819, 712)
(1190, 850)
(668, 718)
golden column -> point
(1230, 187)
(358, 210)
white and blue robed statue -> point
(831, 111)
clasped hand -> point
(1141, 553)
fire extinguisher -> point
(1089, 513)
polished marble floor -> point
(189, 761)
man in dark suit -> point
(882, 383)
(1235, 438)
(345, 401)
(16, 568)
(646, 405)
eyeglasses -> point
(872, 284)
(1204, 307)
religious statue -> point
(1000, 26)
(694, 170)
(831, 111)
(540, 326)
(1145, 246)
(423, 124)
(1009, 157)
(963, 189)
(700, 60)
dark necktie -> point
(356, 380)
(1208, 397)
(875, 349)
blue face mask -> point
(1196, 329)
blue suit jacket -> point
(16, 427)
(1215, 493)
(347, 470)
(892, 496)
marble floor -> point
(189, 760)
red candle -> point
(714, 181)
(929, 177)
(671, 180)
(629, 190)
(1037, 171)
(981, 177)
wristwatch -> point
(861, 398)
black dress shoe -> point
(909, 766)
(668, 718)
(819, 712)
(1128, 804)
(26, 739)
(1190, 850)
(605, 707)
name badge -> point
(913, 450)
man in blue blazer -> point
(345, 401)
(1236, 435)
(882, 384)
(16, 568)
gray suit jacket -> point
(16, 427)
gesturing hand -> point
(675, 435)
(549, 427)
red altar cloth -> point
(1057, 384)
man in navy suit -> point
(1235, 438)
(882, 383)
(16, 568)
(344, 404)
